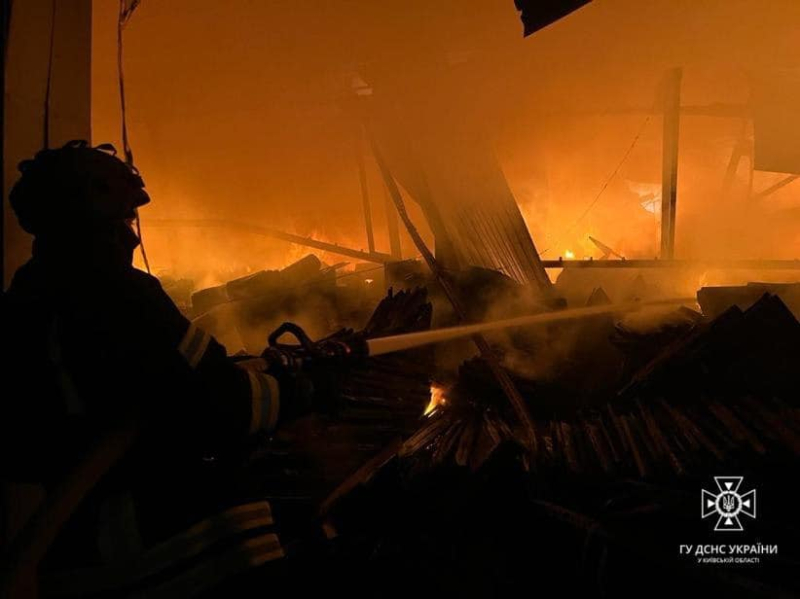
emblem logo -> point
(728, 504)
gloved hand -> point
(309, 373)
(295, 384)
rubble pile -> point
(242, 312)
(377, 403)
(724, 387)
(603, 488)
(715, 300)
(427, 477)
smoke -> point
(236, 112)
(572, 348)
(242, 328)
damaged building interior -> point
(393, 299)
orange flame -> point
(437, 399)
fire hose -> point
(347, 345)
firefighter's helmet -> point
(76, 185)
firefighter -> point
(90, 341)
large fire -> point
(278, 150)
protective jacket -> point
(94, 341)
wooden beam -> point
(392, 226)
(362, 179)
(773, 188)
(720, 264)
(740, 150)
(333, 248)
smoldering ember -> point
(465, 298)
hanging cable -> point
(125, 11)
(48, 86)
(126, 8)
(603, 188)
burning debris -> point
(438, 399)
(700, 394)
(452, 424)
(651, 409)
(686, 408)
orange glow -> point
(253, 127)
(437, 399)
